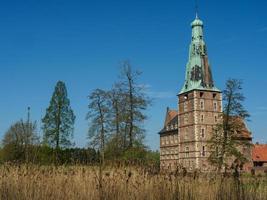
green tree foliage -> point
(58, 123)
(226, 138)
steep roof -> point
(171, 121)
(259, 153)
(198, 70)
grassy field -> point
(83, 182)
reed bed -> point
(126, 183)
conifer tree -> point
(58, 123)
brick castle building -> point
(184, 138)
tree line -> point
(115, 116)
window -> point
(201, 94)
(215, 118)
(202, 105)
(215, 106)
(162, 140)
(203, 151)
(203, 132)
(185, 106)
(214, 95)
(167, 141)
(187, 152)
(171, 139)
(202, 118)
(185, 119)
(186, 133)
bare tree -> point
(99, 116)
(225, 140)
(117, 111)
(136, 103)
(20, 140)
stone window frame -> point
(202, 118)
(203, 132)
(203, 153)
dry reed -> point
(82, 182)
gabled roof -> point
(259, 153)
(171, 121)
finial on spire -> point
(196, 2)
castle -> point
(184, 138)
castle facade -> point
(187, 130)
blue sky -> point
(83, 42)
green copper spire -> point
(198, 71)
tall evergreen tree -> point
(58, 123)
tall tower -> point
(200, 105)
